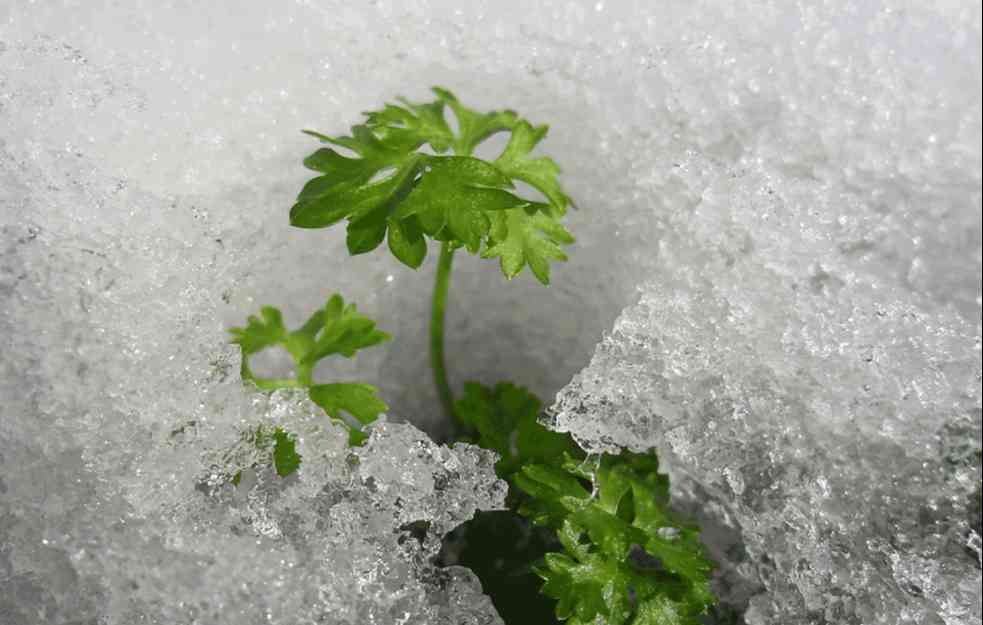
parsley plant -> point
(335, 329)
(614, 552)
(394, 190)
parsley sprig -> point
(334, 329)
(625, 555)
(393, 190)
(621, 556)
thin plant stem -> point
(437, 314)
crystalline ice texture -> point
(347, 539)
(826, 410)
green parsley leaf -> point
(286, 460)
(524, 236)
(506, 420)
(260, 332)
(391, 190)
(412, 124)
(365, 190)
(281, 448)
(406, 241)
(626, 556)
(455, 198)
(359, 400)
(540, 172)
(343, 331)
(474, 127)
(335, 329)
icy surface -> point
(837, 431)
(347, 539)
(796, 185)
(806, 354)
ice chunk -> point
(348, 537)
(826, 408)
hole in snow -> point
(499, 546)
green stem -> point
(438, 309)
(305, 375)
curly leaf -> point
(526, 236)
(626, 556)
(286, 460)
(506, 420)
(474, 127)
(412, 125)
(260, 332)
(392, 190)
(335, 329)
(343, 331)
(359, 400)
(455, 197)
(365, 190)
(540, 172)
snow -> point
(779, 250)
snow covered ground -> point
(778, 215)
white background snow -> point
(783, 198)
